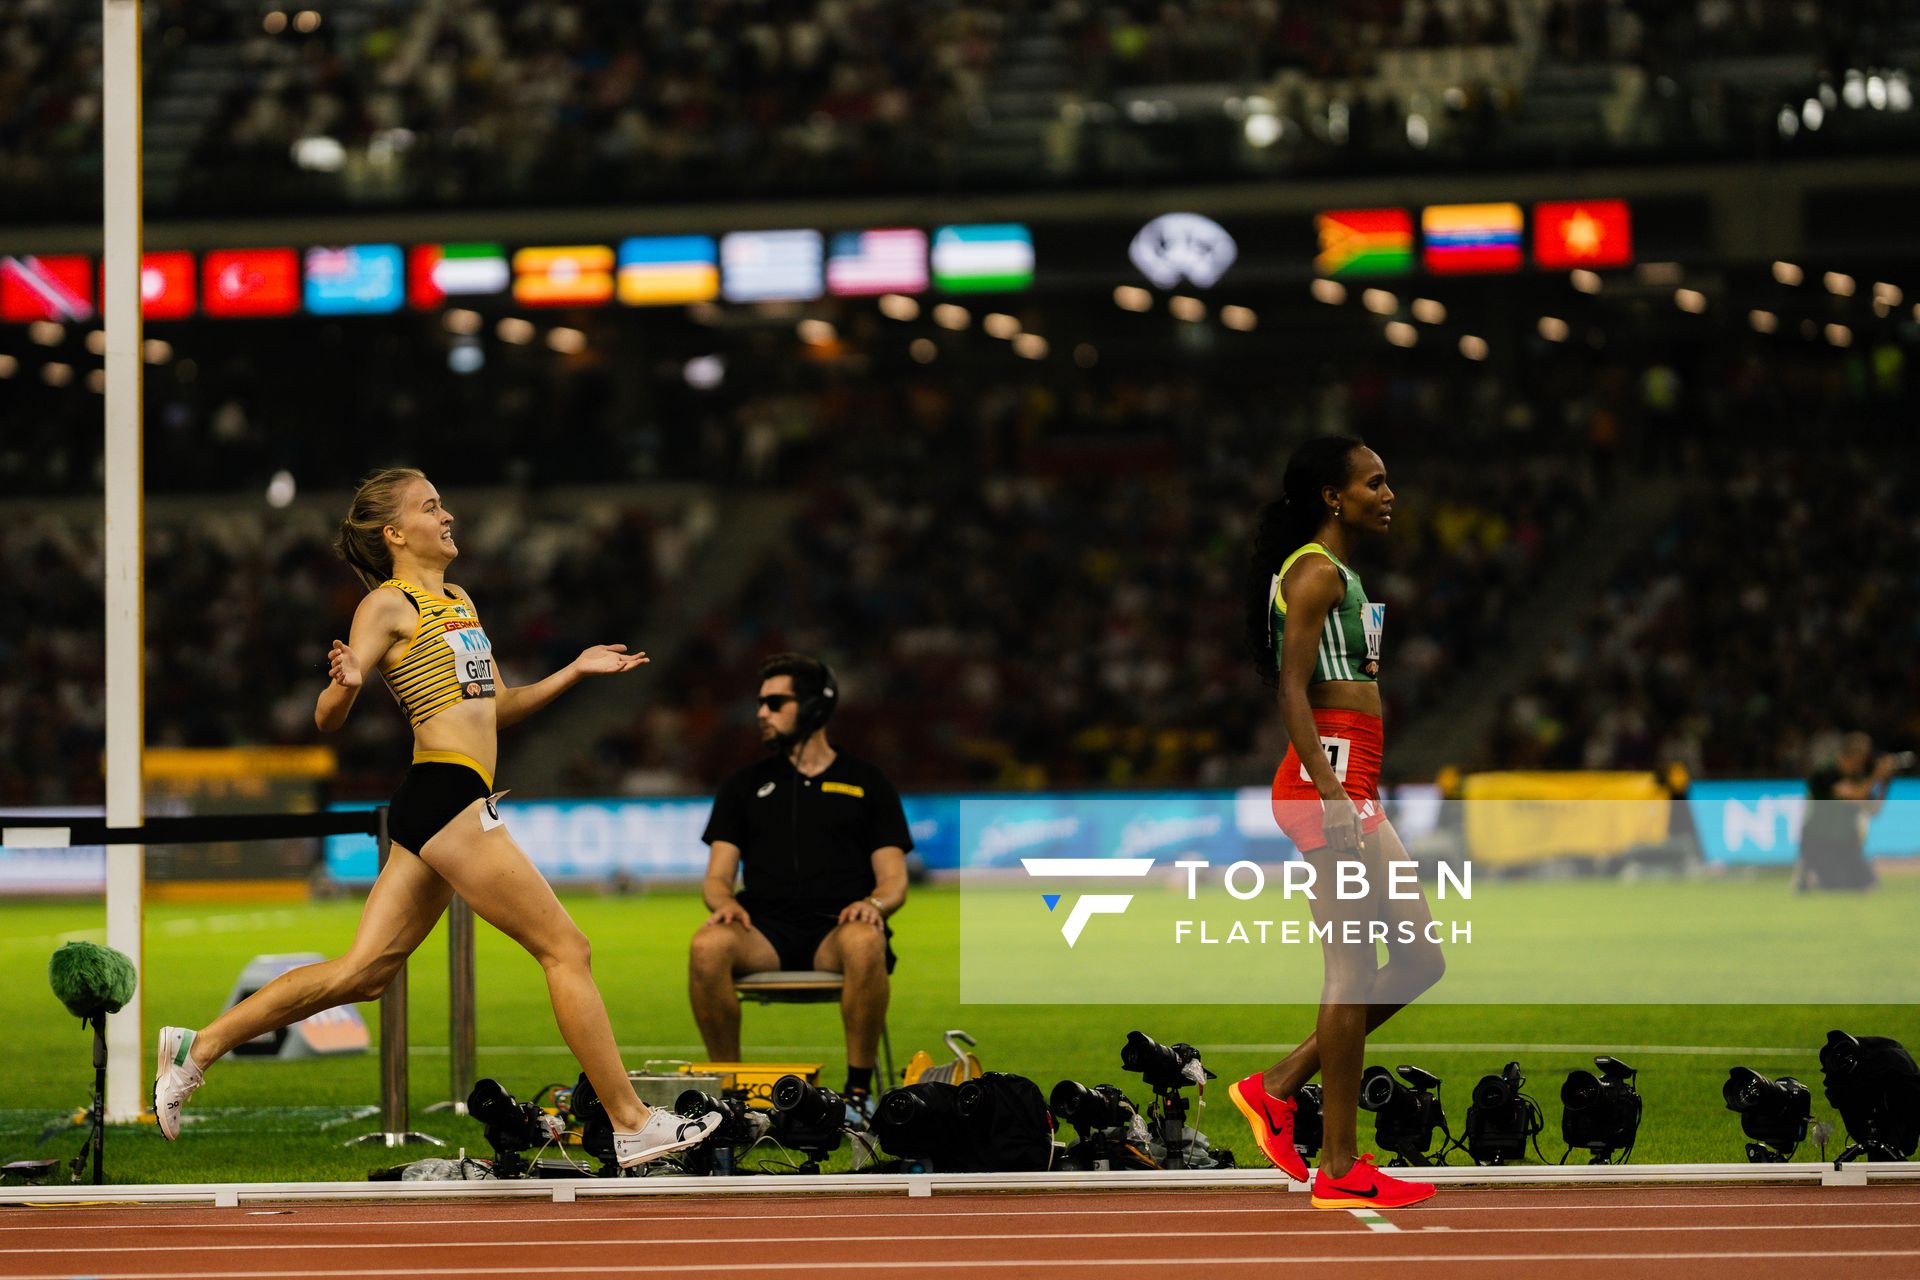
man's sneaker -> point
(664, 1133)
(859, 1108)
(175, 1080)
(1271, 1120)
(1365, 1187)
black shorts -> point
(796, 931)
(430, 796)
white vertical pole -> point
(120, 304)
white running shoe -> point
(664, 1133)
(175, 1080)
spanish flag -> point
(568, 276)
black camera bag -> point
(1006, 1126)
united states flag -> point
(863, 263)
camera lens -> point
(1376, 1088)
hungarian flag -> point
(1582, 233)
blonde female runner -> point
(423, 635)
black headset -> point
(817, 707)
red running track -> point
(1753, 1233)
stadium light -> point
(515, 330)
(1553, 328)
(1473, 347)
(1191, 310)
(1239, 319)
(9, 366)
(1787, 273)
(898, 306)
(1763, 321)
(1429, 311)
(923, 351)
(1129, 297)
(57, 374)
(1000, 325)
(97, 381)
(1691, 301)
(951, 315)
(1331, 292)
(1030, 346)
(46, 333)
(1839, 284)
(1839, 335)
(1402, 334)
(1379, 301)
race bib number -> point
(472, 657)
(1338, 750)
(1373, 619)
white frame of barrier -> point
(916, 1185)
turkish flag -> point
(1582, 233)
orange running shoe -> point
(1271, 1120)
(1366, 1187)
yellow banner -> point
(1514, 819)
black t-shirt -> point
(809, 841)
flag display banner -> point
(658, 271)
(864, 263)
(251, 282)
(166, 285)
(436, 272)
(771, 266)
(46, 287)
(355, 280)
(1582, 233)
(1364, 242)
(1472, 239)
(983, 258)
(564, 276)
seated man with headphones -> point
(822, 841)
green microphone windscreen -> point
(90, 979)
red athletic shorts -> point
(1354, 744)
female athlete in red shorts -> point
(1310, 621)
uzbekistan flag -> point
(1364, 242)
(1465, 239)
(436, 272)
(983, 258)
(864, 263)
(662, 270)
(578, 275)
(46, 288)
(1582, 233)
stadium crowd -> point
(1774, 613)
(478, 101)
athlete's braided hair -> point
(1287, 523)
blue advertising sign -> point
(1758, 823)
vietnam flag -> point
(1582, 233)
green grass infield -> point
(258, 1121)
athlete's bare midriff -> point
(470, 728)
(1362, 696)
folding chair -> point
(810, 986)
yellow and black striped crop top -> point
(449, 661)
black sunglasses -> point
(775, 701)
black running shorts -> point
(431, 795)
(796, 931)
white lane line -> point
(1374, 1222)
(1173, 1263)
(581, 1215)
(1620, 1050)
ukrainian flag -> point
(664, 270)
